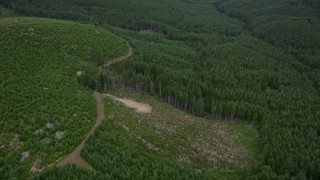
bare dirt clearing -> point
(151, 31)
(139, 107)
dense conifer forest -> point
(237, 60)
(45, 113)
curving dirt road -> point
(121, 57)
(75, 156)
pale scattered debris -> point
(36, 166)
(158, 126)
(184, 159)
(79, 73)
(150, 146)
(124, 126)
(46, 141)
(49, 125)
(15, 143)
(216, 144)
(59, 134)
(39, 131)
(24, 155)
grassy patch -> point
(218, 148)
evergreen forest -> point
(241, 61)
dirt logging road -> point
(121, 57)
(75, 157)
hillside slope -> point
(254, 60)
(45, 113)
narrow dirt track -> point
(121, 57)
(75, 157)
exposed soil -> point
(150, 31)
(139, 107)
(15, 143)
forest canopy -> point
(250, 60)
